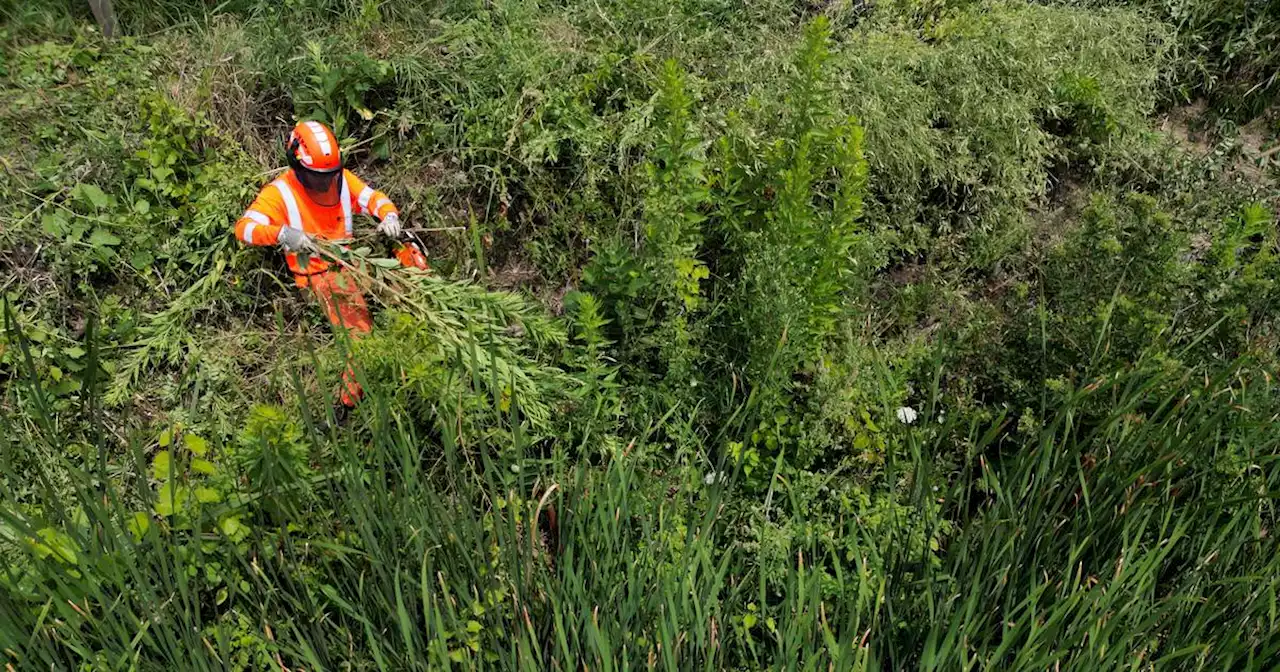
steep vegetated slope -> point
(825, 335)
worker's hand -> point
(293, 240)
(390, 225)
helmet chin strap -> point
(291, 154)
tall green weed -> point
(1087, 545)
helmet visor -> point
(322, 188)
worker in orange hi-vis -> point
(316, 198)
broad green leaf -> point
(871, 425)
(203, 467)
(57, 544)
(141, 260)
(55, 223)
(66, 386)
(233, 528)
(160, 465)
(139, 524)
(170, 500)
(385, 263)
(196, 444)
(166, 437)
(207, 495)
(103, 238)
(94, 196)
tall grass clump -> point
(971, 118)
(1226, 51)
(398, 542)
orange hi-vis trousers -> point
(346, 308)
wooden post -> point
(106, 16)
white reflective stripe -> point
(258, 217)
(345, 198)
(290, 204)
(377, 205)
(365, 195)
(322, 137)
(248, 232)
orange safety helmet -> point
(316, 159)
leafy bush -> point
(1127, 281)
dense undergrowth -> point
(811, 335)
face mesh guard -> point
(322, 188)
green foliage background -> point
(931, 334)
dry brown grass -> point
(214, 74)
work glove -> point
(293, 240)
(390, 225)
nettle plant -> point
(342, 90)
(653, 291)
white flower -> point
(709, 478)
(907, 415)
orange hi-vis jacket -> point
(284, 202)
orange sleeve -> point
(370, 201)
(260, 224)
